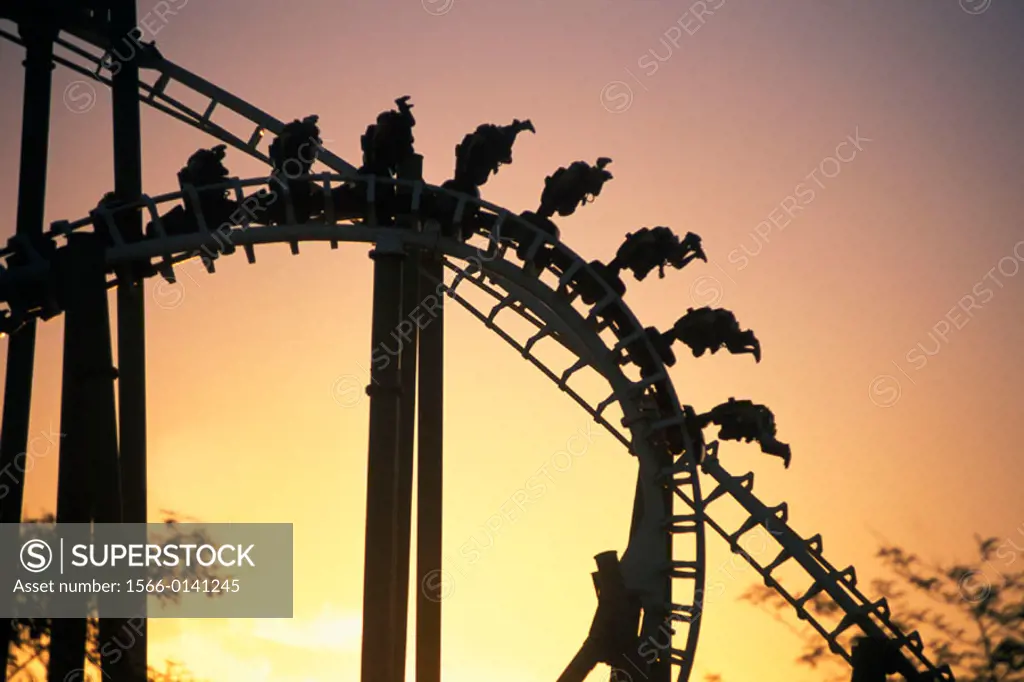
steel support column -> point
(662, 671)
(408, 332)
(87, 481)
(130, 665)
(380, 563)
(35, 137)
(430, 480)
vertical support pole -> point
(130, 665)
(88, 451)
(408, 332)
(661, 638)
(21, 349)
(430, 481)
(379, 568)
(663, 670)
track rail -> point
(861, 616)
(90, 61)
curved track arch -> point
(647, 559)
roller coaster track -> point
(91, 62)
(549, 300)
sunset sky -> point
(851, 262)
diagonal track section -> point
(806, 555)
(91, 62)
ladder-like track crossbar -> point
(790, 599)
(873, 618)
(511, 341)
(155, 96)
